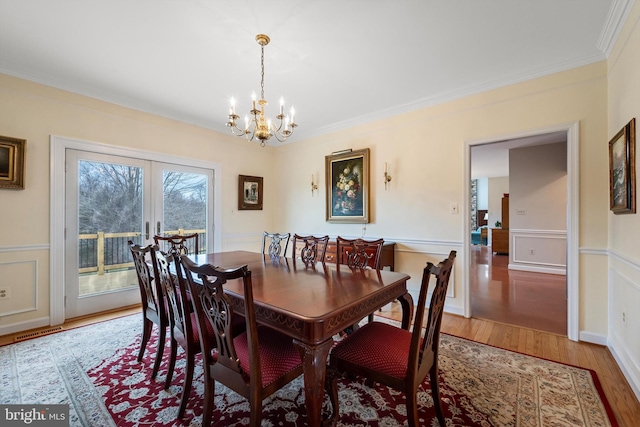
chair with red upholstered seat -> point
(275, 244)
(256, 363)
(309, 249)
(182, 321)
(184, 244)
(359, 253)
(395, 357)
(154, 308)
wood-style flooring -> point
(533, 300)
(624, 404)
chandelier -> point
(256, 125)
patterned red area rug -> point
(480, 386)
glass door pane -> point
(107, 211)
(184, 204)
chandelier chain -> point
(262, 74)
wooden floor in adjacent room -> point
(533, 300)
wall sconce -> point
(314, 186)
(387, 177)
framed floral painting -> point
(347, 183)
(622, 170)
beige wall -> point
(34, 112)
(425, 151)
(624, 230)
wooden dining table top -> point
(311, 304)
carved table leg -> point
(314, 360)
(407, 310)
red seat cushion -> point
(378, 347)
(278, 355)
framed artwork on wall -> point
(347, 183)
(249, 193)
(12, 161)
(622, 170)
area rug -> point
(94, 369)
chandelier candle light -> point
(258, 126)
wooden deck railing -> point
(101, 252)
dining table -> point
(311, 304)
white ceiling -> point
(339, 62)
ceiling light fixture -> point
(259, 126)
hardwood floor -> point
(624, 404)
(533, 300)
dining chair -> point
(182, 321)
(309, 249)
(154, 309)
(395, 357)
(186, 244)
(275, 244)
(256, 363)
(358, 253)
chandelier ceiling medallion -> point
(256, 125)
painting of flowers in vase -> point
(347, 176)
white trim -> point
(573, 193)
(624, 359)
(25, 248)
(593, 338)
(24, 325)
(541, 268)
(616, 18)
(58, 147)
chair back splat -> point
(309, 249)
(255, 363)
(186, 244)
(154, 308)
(395, 357)
(359, 253)
(275, 244)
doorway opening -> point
(540, 236)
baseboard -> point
(538, 269)
(24, 326)
(593, 338)
(625, 362)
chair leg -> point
(161, 340)
(172, 363)
(255, 414)
(412, 408)
(186, 387)
(147, 326)
(209, 399)
(435, 394)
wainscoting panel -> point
(624, 316)
(18, 288)
(539, 251)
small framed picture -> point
(12, 160)
(622, 170)
(347, 183)
(249, 193)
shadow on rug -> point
(480, 386)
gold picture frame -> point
(250, 193)
(622, 170)
(347, 183)
(12, 162)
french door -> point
(111, 200)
